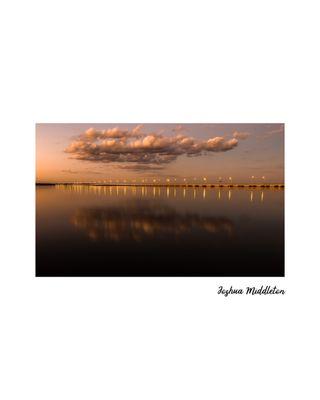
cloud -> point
(137, 129)
(139, 149)
(140, 167)
(241, 135)
(274, 132)
(69, 171)
(179, 129)
(92, 172)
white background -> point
(158, 61)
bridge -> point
(176, 185)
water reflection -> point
(177, 231)
(168, 191)
(135, 221)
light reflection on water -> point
(109, 230)
(158, 191)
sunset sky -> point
(98, 152)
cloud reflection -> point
(138, 221)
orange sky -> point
(99, 152)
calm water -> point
(152, 231)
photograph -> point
(160, 199)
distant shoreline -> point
(206, 185)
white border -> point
(123, 61)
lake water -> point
(159, 231)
